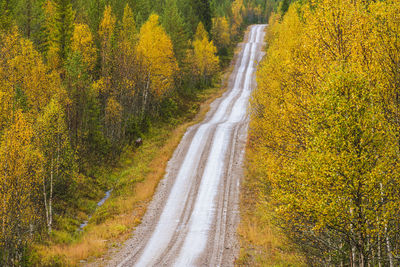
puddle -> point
(99, 204)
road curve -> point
(193, 217)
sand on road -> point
(193, 217)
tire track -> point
(194, 211)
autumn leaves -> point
(325, 130)
(79, 80)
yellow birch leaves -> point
(156, 52)
(220, 32)
(203, 58)
(82, 42)
(324, 134)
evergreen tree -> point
(64, 20)
(284, 6)
(95, 12)
(5, 16)
(203, 12)
(189, 15)
(59, 26)
(125, 76)
(175, 27)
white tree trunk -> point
(388, 246)
(51, 198)
(45, 201)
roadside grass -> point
(261, 242)
(134, 182)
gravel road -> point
(193, 217)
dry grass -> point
(137, 181)
(261, 242)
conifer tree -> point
(95, 12)
(189, 15)
(203, 12)
(5, 16)
(126, 76)
(176, 28)
(60, 26)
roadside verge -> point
(134, 182)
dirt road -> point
(193, 217)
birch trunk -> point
(388, 246)
(51, 198)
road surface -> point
(193, 217)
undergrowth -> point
(262, 243)
(134, 181)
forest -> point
(325, 130)
(80, 81)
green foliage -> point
(176, 28)
(203, 12)
(284, 6)
(62, 29)
(5, 16)
(169, 109)
(323, 139)
(80, 82)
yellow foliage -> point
(237, 16)
(324, 125)
(106, 33)
(201, 32)
(156, 52)
(128, 31)
(220, 32)
(82, 42)
(53, 51)
(107, 25)
(22, 67)
(20, 173)
(205, 60)
(113, 111)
